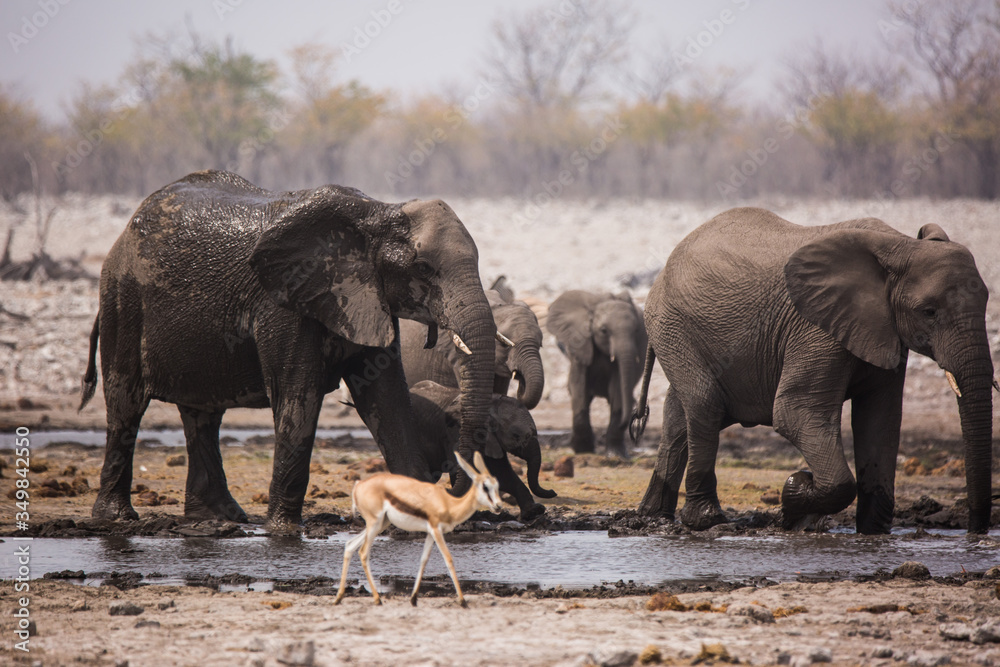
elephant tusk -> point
(954, 383)
(503, 339)
(460, 344)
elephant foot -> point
(114, 508)
(532, 512)
(278, 524)
(223, 508)
(702, 515)
(582, 445)
(617, 450)
(803, 507)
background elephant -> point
(757, 320)
(510, 430)
(219, 294)
(442, 361)
(604, 337)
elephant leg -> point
(701, 506)
(510, 483)
(582, 439)
(671, 460)
(615, 437)
(126, 406)
(206, 495)
(295, 418)
(875, 421)
(383, 403)
(828, 486)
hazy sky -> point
(427, 45)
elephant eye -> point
(423, 269)
(929, 313)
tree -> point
(958, 43)
(21, 130)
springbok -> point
(413, 505)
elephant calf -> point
(510, 430)
(756, 320)
(604, 337)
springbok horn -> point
(996, 385)
(503, 339)
(954, 384)
(432, 336)
(460, 344)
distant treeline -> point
(560, 107)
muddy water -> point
(568, 559)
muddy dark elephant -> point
(510, 430)
(605, 339)
(518, 353)
(219, 294)
(756, 320)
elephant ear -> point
(932, 232)
(570, 320)
(838, 284)
(316, 259)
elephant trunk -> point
(975, 407)
(526, 363)
(629, 368)
(468, 315)
(533, 457)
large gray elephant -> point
(510, 430)
(756, 320)
(605, 339)
(517, 357)
(219, 294)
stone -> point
(882, 652)
(986, 633)
(147, 624)
(912, 569)
(992, 573)
(297, 653)
(166, 604)
(756, 612)
(80, 605)
(125, 609)
(177, 460)
(928, 659)
(651, 655)
(957, 631)
(820, 655)
(563, 467)
(613, 658)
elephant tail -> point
(89, 384)
(641, 413)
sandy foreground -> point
(828, 622)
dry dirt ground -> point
(43, 356)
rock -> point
(957, 631)
(297, 653)
(68, 471)
(912, 569)
(820, 655)
(147, 499)
(650, 655)
(882, 652)
(147, 624)
(772, 497)
(80, 605)
(713, 653)
(563, 467)
(375, 464)
(613, 658)
(754, 611)
(665, 602)
(80, 485)
(260, 499)
(177, 460)
(992, 573)
(988, 632)
(166, 604)
(32, 629)
(125, 609)
(928, 659)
